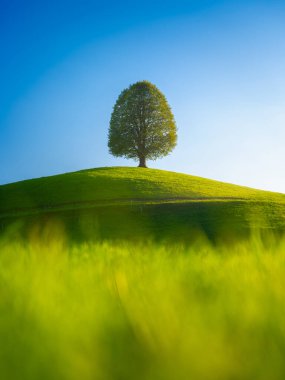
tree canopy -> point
(142, 125)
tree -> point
(142, 125)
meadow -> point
(117, 185)
(130, 273)
(148, 311)
(138, 203)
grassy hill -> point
(127, 309)
(137, 202)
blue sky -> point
(221, 65)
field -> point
(135, 203)
(127, 273)
(123, 311)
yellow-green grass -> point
(126, 304)
(145, 312)
(136, 202)
(120, 183)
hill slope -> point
(120, 183)
(168, 198)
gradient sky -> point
(221, 65)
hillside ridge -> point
(137, 203)
(90, 187)
(97, 169)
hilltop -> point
(182, 199)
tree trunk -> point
(142, 163)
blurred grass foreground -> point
(146, 311)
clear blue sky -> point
(221, 64)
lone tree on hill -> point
(142, 125)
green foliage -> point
(145, 312)
(142, 125)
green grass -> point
(123, 274)
(118, 184)
(135, 203)
(151, 312)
